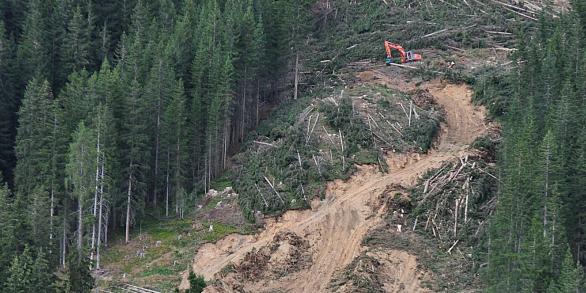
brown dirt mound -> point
(382, 271)
(423, 98)
(287, 253)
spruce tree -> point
(77, 42)
(8, 103)
(157, 92)
(74, 100)
(196, 283)
(175, 147)
(80, 171)
(33, 49)
(570, 276)
(135, 153)
(59, 18)
(21, 273)
(8, 241)
(33, 141)
(43, 277)
(38, 213)
(79, 278)
(183, 42)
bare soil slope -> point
(335, 227)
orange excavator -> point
(405, 57)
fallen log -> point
(273, 188)
(453, 245)
(263, 143)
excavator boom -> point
(405, 56)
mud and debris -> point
(319, 245)
(288, 253)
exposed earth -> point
(302, 251)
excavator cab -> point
(409, 56)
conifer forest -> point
(275, 146)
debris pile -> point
(360, 276)
(287, 253)
(219, 206)
(423, 99)
(453, 202)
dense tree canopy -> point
(113, 108)
(541, 201)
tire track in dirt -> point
(336, 226)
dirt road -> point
(335, 227)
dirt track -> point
(336, 226)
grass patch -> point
(220, 231)
(169, 247)
(222, 182)
(163, 271)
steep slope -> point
(335, 227)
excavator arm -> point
(405, 57)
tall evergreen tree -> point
(79, 278)
(158, 91)
(175, 149)
(33, 141)
(8, 103)
(8, 241)
(570, 276)
(33, 50)
(80, 171)
(135, 154)
(21, 278)
(38, 213)
(77, 42)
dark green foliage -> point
(190, 78)
(77, 42)
(29, 273)
(422, 132)
(21, 275)
(89, 144)
(8, 240)
(34, 47)
(570, 277)
(8, 103)
(540, 203)
(35, 119)
(196, 283)
(79, 278)
(493, 90)
(343, 118)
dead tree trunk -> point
(79, 226)
(243, 122)
(167, 187)
(296, 75)
(95, 207)
(99, 238)
(257, 102)
(80, 211)
(52, 209)
(128, 203)
(157, 139)
(64, 238)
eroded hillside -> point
(330, 234)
